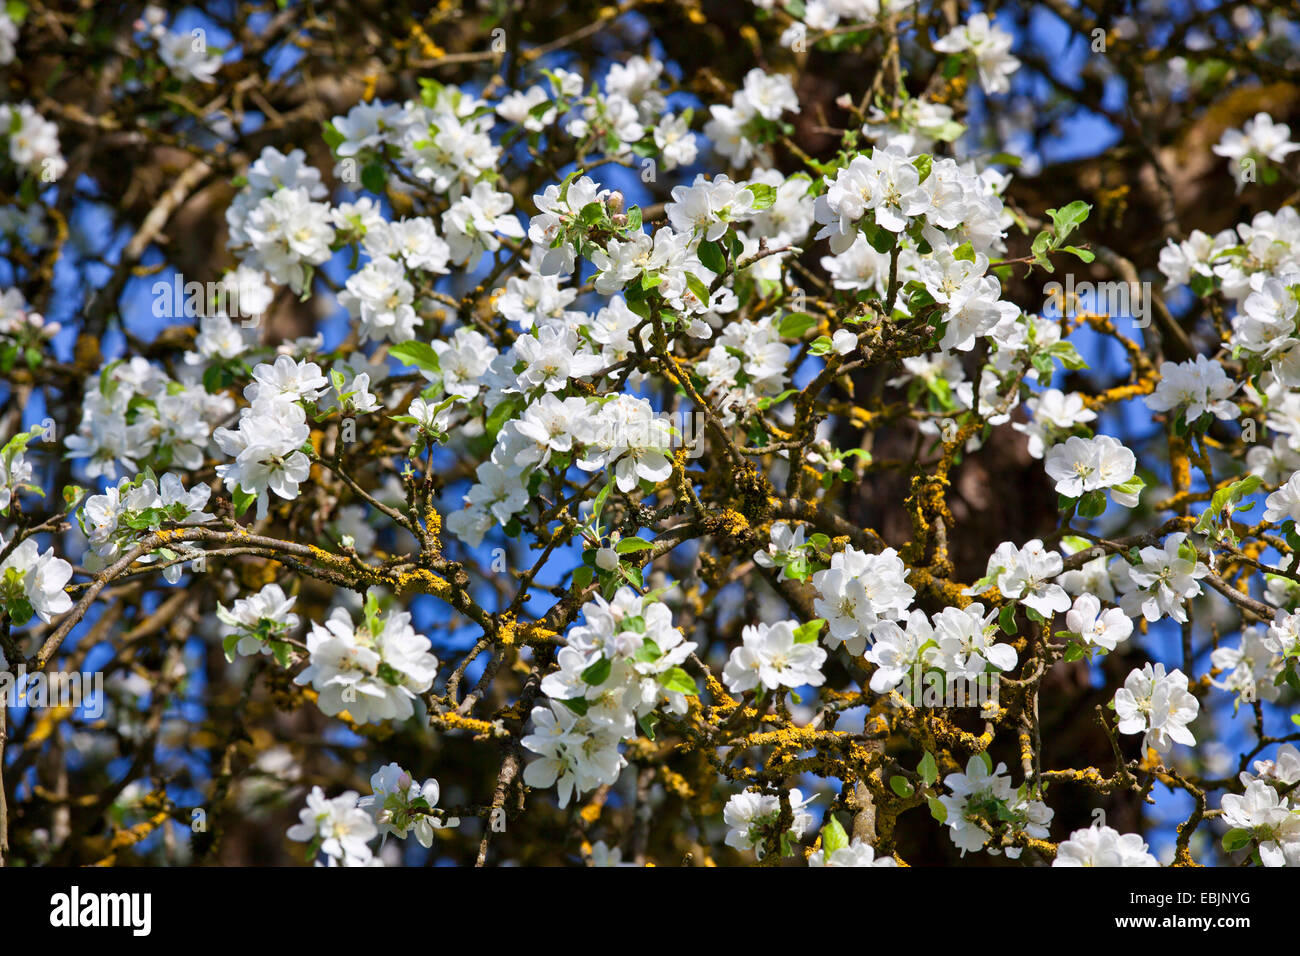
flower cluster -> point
(31, 582)
(983, 805)
(959, 642)
(115, 520)
(988, 46)
(338, 830)
(16, 469)
(268, 443)
(1026, 575)
(859, 593)
(253, 623)
(33, 142)
(186, 54)
(775, 655)
(375, 670)
(1099, 845)
(755, 818)
(136, 415)
(615, 670)
(1158, 705)
(1260, 140)
(402, 807)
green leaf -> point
(711, 257)
(1007, 619)
(1077, 651)
(212, 376)
(599, 503)
(371, 612)
(282, 653)
(767, 401)
(1132, 486)
(1083, 254)
(807, 632)
(901, 786)
(928, 769)
(629, 545)
(1292, 538)
(1067, 355)
(965, 251)
(882, 240)
(676, 679)
(578, 705)
(648, 722)
(20, 609)
(833, 836)
(794, 325)
(598, 672)
(635, 299)
(648, 652)
(333, 138)
(734, 246)
(242, 500)
(697, 287)
(764, 195)
(419, 354)
(821, 345)
(502, 413)
(1067, 219)
(1202, 285)
(1236, 838)
(937, 809)
(1092, 504)
(1227, 497)
(374, 177)
(72, 494)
